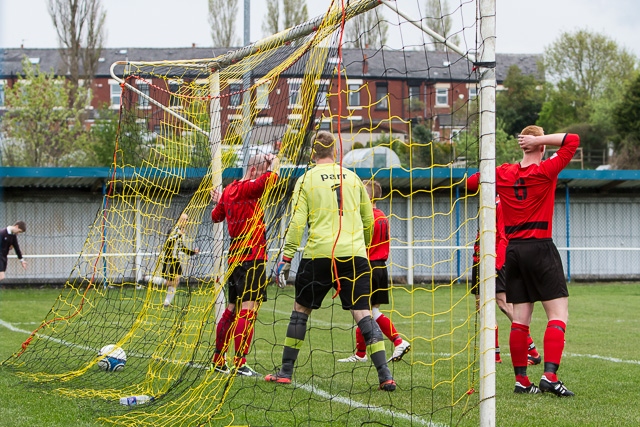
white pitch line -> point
(605, 358)
(354, 404)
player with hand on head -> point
(533, 265)
(333, 203)
(169, 258)
(239, 205)
(378, 253)
(534, 358)
(8, 240)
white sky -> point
(523, 26)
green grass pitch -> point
(601, 365)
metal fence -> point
(598, 236)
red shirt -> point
(528, 194)
(379, 249)
(501, 238)
(245, 218)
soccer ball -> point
(114, 358)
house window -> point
(321, 96)
(235, 98)
(354, 95)
(414, 93)
(473, 92)
(2, 84)
(174, 90)
(262, 96)
(115, 92)
(294, 93)
(414, 98)
(143, 100)
(442, 96)
(382, 96)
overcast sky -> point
(523, 26)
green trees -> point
(626, 119)
(40, 127)
(587, 73)
(520, 103)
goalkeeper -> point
(239, 204)
(378, 252)
(333, 203)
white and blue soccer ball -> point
(113, 358)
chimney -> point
(193, 45)
(365, 64)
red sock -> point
(553, 345)
(361, 346)
(244, 332)
(388, 329)
(223, 330)
(518, 345)
(497, 344)
(524, 380)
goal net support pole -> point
(486, 40)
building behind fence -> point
(596, 226)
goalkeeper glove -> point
(282, 271)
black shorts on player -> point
(501, 282)
(248, 282)
(379, 283)
(315, 278)
(534, 271)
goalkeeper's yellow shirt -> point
(317, 198)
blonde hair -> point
(324, 145)
(374, 190)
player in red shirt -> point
(533, 265)
(239, 205)
(501, 285)
(378, 253)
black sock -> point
(296, 331)
(375, 346)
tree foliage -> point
(586, 73)
(585, 69)
(39, 126)
(271, 23)
(79, 25)
(222, 20)
(367, 30)
(589, 60)
(294, 12)
(438, 18)
(520, 103)
(626, 119)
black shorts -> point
(379, 283)
(3, 264)
(315, 278)
(534, 271)
(248, 282)
(171, 268)
(501, 283)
